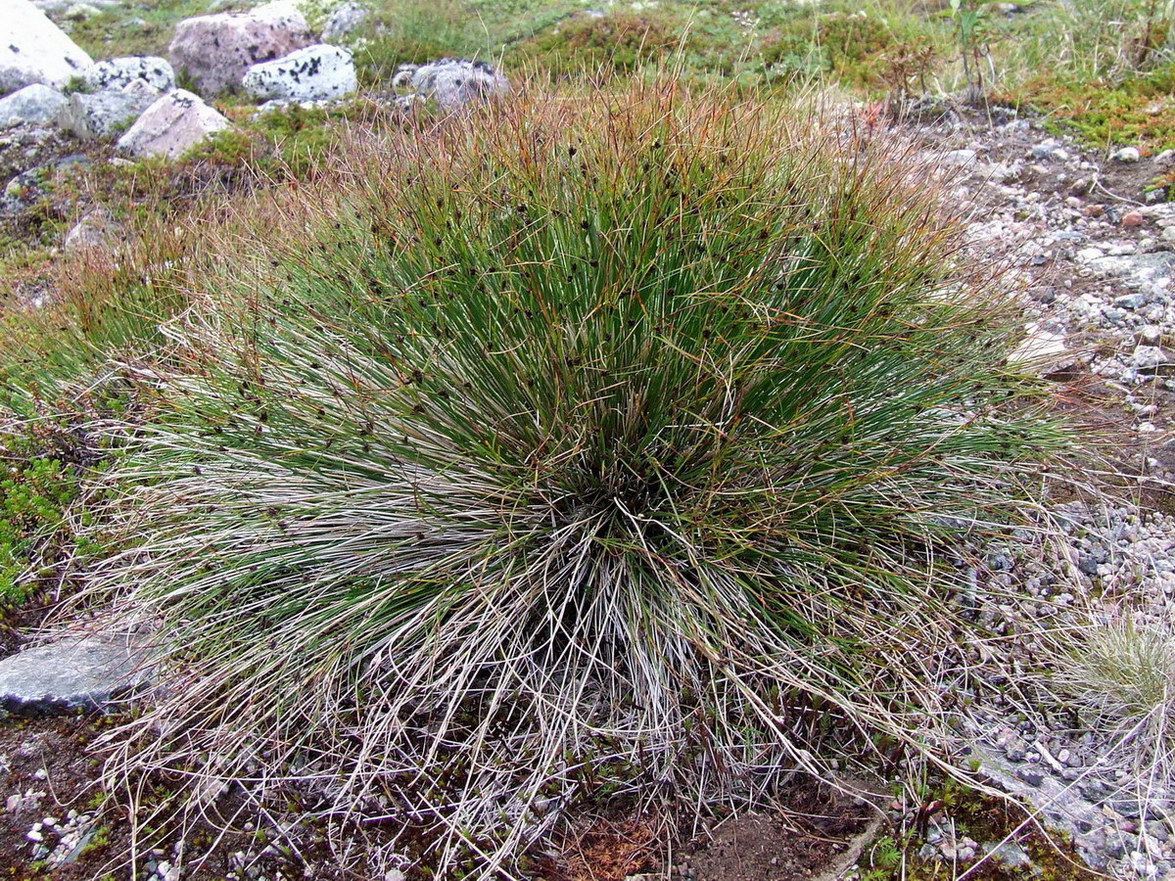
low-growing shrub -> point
(618, 43)
(590, 444)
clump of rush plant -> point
(573, 446)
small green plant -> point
(968, 17)
(33, 497)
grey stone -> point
(117, 73)
(94, 230)
(73, 673)
(1009, 853)
(172, 126)
(963, 158)
(34, 50)
(315, 73)
(344, 22)
(37, 104)
(102, 114)
(216, 50)
(452, 82)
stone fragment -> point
(34, 50)
(37, 104)
(216, 50)
(117, 73)
(73, 673)
(101, 114)
(1126, 154)
(315, 73)
(1132, 219)
(172, 126)
(451, 82)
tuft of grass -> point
(605, 443)
(1120, 676)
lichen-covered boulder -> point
(452, 82)
(344, 22)
(315, 73)
(172, 126)
(36, 104)
(117, 73)
(101, 114)
(34, 50)
(216, 50)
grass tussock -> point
(571, 448)
(1119, 674)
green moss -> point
(985, 819)
(1138, 110)
(871, 51)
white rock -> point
(1167, 157)
(451, 82)
(34, 50)
(37, 103)
(1126, 154)
(1043, 350)
(101, 114)
(82, 11)
(315, 73)
(216, 50)
(172, 126)
(1149, 357)
(962, 158)
(344, 21)
(116, 73)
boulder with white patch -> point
(216, 50)
(315, 73)
(118, 73)
(34, 50)
(172, 126)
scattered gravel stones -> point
(1096, 262)
(172, 126)
(34, 50)
(37, 104)
(316, 73)
(216, 50)
(118, 73)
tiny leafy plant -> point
(581, 445)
